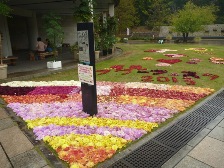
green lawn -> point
(133, 54)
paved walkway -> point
(19, 149)
(206, 150)
(16, 150)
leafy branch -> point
(5, 10)
(84, 11)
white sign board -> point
(85, 73)
(83, 43)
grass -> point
(133, 54)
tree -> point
(157, 13)
(53, 28)
(84, 11)
(192, 18)
(176, 5)
(141, 9)
(220, 13)
(153, 13)
(126, 14)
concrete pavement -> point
(16, 150)
(206, 150)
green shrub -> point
(197, 39)
(169, 37)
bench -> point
(46, 54)
(10, 60)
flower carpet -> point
(126, 112)
(217, 60)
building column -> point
(6, 43)
(91, 7)
(32, 31)
(111, 10)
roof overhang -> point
(62, 7)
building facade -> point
(209, 31)
(20, 31)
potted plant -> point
(4, 11)
(107, 33)
(53, 29)
(104, 44)
(111, 42)
(111, 28)
(96, 19)
(103, 34)
(53, 62)
(74, 50)
(111, 25)
(97, 48)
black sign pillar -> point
(87, 58)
